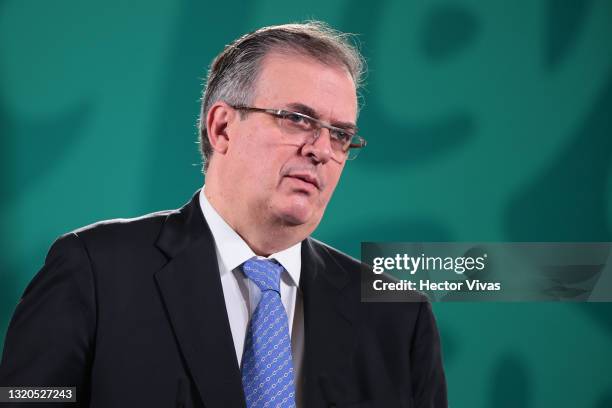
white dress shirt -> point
(242, 295)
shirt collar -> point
(233, 251)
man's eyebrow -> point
(307, 110)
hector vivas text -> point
(413, 264)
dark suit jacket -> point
(131, 312)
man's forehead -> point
(307, 85)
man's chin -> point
(293, 219)
(296, 216)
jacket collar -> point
(329, 326)
(191, 290)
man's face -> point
(278, 178)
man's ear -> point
(217, 120)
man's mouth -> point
(306, 178)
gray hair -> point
(233, 73)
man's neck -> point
(264, 237)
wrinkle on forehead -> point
(328, 90)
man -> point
(227, 302)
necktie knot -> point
(265, 273)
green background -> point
(486, 121)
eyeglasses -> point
(345, 143)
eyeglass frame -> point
(283, 113)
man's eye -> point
(294, 118)
(298, 122)
(343, 137)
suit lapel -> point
(328, 325)
(191, 289)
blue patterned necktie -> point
(267, 366)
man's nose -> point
(320, 148)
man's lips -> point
(307, 178)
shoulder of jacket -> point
(121, 229)
(326, 251)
